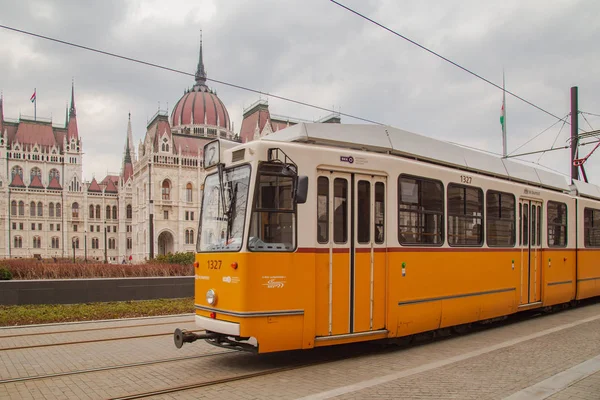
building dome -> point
(200, 107)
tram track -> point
(220, 381)
(90, 341)
(112, 367)
(352, 351)
(89, 329)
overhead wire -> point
(539, 134)
(589, 113)
(553, 143)
(443, 58)
(151, 64)
(586, 120)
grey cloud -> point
(315, 52)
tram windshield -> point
(223, 211)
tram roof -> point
(585, 189)
(385, 139)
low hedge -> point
(34, 269)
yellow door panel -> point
(362, 290)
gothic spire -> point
(200, 71)
(72, 110)
(129, 142)
(1, 113)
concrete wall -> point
(73, 291)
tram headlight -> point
(211, 297)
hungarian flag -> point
(32, 99)
(502, 116)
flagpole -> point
(35, 104)
(504, 124)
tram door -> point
(351, 257)
(530, 213)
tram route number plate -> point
(214, 264)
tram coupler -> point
(181, 336)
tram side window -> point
(340, 210)
(591, 226)
(379, 212)
(323, 209)
(273, 224)
(557, 224)
(420, 211)
(465, 215)
(500, 219)
(363, 233)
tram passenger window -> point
(273, 223)
(340, 210)
(591, 226)
(323, 209)
(363, 212)
(557, 224)
(465, 215)
(379, 212)
(525, 223)
(420, 211)
(500, 213)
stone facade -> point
(152, 207)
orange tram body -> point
(323, 234)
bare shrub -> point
(35, 269)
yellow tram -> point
(323, 234)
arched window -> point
(18, 242)
(189, 236)
(114, 213)
(40, 209)
(55, 243)
(13, 207)
(35, 171)
(189, 194)
(75, 242)
(166, 190)
(21, 208)
(165, 145)
(95, 243)
(107, 212)
(129, 211)
(74, 186)
(75, 210)
(58, 210)
(91, 211)
(112, 243)
(32, 209)
(54, 174)
(16, 170)
(51, 209)
(37, 242)
(98, 215)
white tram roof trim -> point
(380, 138)
(587, 189)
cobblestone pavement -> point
(489, 364)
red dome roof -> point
(200, 106)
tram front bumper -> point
(215, 325)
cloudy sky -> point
(316, 52)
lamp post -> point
(105, 254)
(73, 243)
(85, 245)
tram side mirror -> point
(301, 189)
